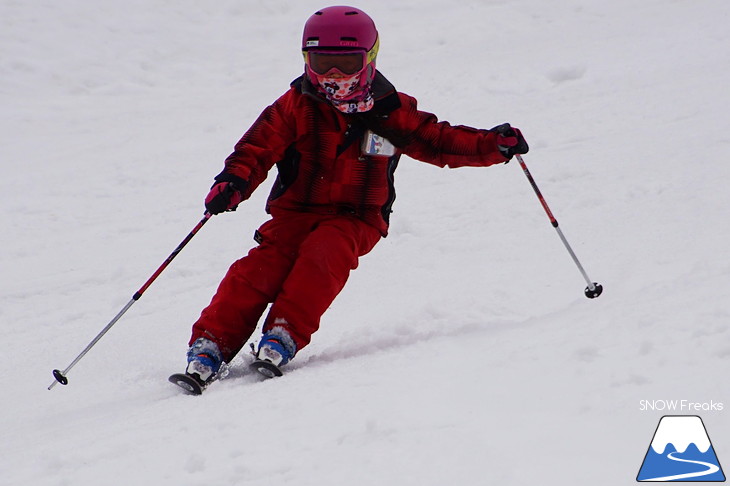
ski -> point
(187, 383)
(266, 368)
(193, 386)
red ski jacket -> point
(330, 162)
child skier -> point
(335, 136)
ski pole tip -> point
(594, 292)
(60, 378)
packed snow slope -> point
(463, 350)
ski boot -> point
(275, 350)
(204, 361)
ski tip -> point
(266, 368)
(187, 383)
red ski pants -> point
(301, 264)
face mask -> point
(346, 93)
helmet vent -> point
(351, 13)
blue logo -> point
(681, 451)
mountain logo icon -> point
(681, 451)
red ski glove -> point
(223, 196)
(510, 140)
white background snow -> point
(462, 350)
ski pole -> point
(60, 376)
(593, 289)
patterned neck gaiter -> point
(346, 94)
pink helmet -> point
(341, 29)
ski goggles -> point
(346, 62)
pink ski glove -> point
(223, 196)
(510, 140)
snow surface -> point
(463, 350)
